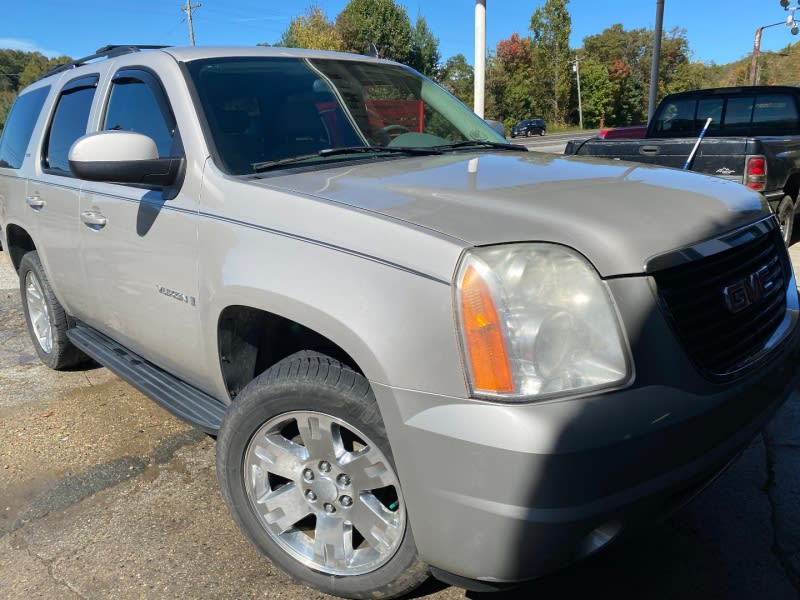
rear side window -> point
(69, 122)
(137, 103)
(19, 127)
(676, 118)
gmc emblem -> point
(746, 292)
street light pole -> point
(480, 56)
(576, 67)
(751, 80)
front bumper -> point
(510, 492)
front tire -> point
(46, 319)
(307, 473)
(785, 215)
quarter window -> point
(19, 127)
(69, 122)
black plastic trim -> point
(158, 171)
(183, 400)
(472, 585)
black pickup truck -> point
(753, 139)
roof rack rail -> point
(105, 52)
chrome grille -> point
(726, 306)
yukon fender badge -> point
(724, 171)
(190, 300)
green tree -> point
(380, 22)
(597, 94)
(458, 77)
(19, 69)
(550, 28)
(424, 55)
(312, 30)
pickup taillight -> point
(755, 173)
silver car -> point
(423, 350)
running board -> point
(181, 399)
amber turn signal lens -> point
(483, 335)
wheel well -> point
(251, 340)
(19, 243)
(792, 186)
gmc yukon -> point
(422, 350)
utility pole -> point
(577, 68)
(751, 79)
(189, 9)
(651, 105)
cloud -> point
(27, 46)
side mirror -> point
(497, 126)
(122, 157)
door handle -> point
(649, 150)
(93, 219)
(35, 202)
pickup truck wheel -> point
(46, 319)
(785, 216)
(307, 473)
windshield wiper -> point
(408, 151)
(274, 164)
(482, 144)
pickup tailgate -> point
(721, 157)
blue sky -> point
(717, 31)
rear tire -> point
(307, 473)
(46, 319)
(785, 215)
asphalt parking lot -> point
(105, 495)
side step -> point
(181, 399)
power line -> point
(189, 9)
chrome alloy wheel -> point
(39, 312)
(324, 493)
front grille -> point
(722, 336)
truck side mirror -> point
(122, 157)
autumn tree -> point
(312, 30)
(510, 81)
(550, 28)
(625, 56)
(383, 23)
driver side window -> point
(137, 103)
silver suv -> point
(422, 349)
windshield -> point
(261, 110)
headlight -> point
(536, 320)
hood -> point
(616, 214)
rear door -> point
(53, 195)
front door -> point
(139, 243)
